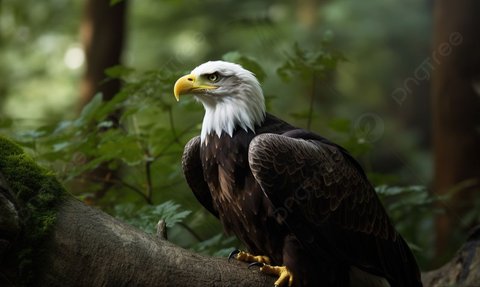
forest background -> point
(86, 88)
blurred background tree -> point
(102, 33)
(456, 108)
(355, 72)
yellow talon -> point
(284, 275)
(247, 257)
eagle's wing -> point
(321, 193)
(193, 171)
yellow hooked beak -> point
(189, 84)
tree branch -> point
(463, 270)
(91, 248)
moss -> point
(38, 194)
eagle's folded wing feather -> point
(193, 171)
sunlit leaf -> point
(89, 111)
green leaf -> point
(304, 64)
(89, 110)
(115, 144)
(119, 71)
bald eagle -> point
(302, 205)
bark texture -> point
(90, 248)
(462, 270)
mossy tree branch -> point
(87, 247)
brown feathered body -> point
(292, 195)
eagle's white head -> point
(231, 95)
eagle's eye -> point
(214, 77)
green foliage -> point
(35, 83)
(147, 216)
(311, 68)
(38, 193)
(135, 136)
(308, 64)
(96, 137)
(412, 210)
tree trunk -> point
(103, 33)
(307, 14)
(456, 113)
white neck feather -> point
(231, 113)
